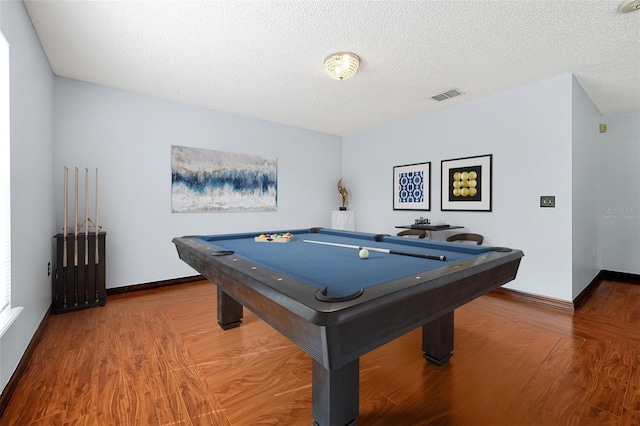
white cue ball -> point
(364, 253)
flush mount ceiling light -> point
(341, 66)
(629, 6)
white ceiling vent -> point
(446, 95)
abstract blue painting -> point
(204, 180)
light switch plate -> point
(547, 201)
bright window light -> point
(7, 313)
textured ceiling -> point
(264, 59)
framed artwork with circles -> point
(466, 184)
(412, 187)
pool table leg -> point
(229, 311)
(437, 339)
(335, 394)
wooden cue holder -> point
(82, 286)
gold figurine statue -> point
(344, 194)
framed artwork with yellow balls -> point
(466, 184)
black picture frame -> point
(412, 187)
(467, 184)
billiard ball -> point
(364, 253)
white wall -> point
(528, 131)
(619, 209)
(128, 137)
(585, 178)
(31, 197)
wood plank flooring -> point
(158, 357)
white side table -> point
(344, 220)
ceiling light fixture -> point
(341, 66)
(629, 6)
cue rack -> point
(79, 252)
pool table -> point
(319, 293)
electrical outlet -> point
(547, 201)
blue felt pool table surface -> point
(340, 270)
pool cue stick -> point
(65, 229)
(86, 236)
(382, 250)
(75, 252)
(97, 254)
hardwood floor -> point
(158, 357)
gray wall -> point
(586, 169)
(619, 207)
(128, 137)
(31, 192)
(528, 131)
(545, 140)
